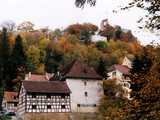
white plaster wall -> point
(118, 75)
(78, 89)
(127, 62)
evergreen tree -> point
(4, 63)
(85, 36)
(52, 60)
(18, 59)
(102, 68)
(18, 56)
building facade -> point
(44, 97)
(86, 87)
(120, 73)
(127, 62)
(10, 101)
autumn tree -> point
(111, 105)
(82, 31)
(152, 8)
(26, 26)
(145, 87)
(33, 58)
(108, 32)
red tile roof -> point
(10, 96)
(46, 86)
(121, 68)
(81, 70)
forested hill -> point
(45, 50)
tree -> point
(111, 105)
(18, 60)
(118, 32)
(81, 3)
(26, 26)
(9, 25)
(108, 32)
(52, 60)
(82, 31)
(4, 62)
(85, 36)
(33, 58)
(151, 6)
(102, 68)
(101, 45)
(145, 93)
(18, 56)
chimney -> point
(28, 76)
(48, 75)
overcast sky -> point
(61, 13)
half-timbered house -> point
(10, 101)
(43, 97)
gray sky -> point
(61, 13)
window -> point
(15, 104)
(85, 83)
(63, 96)
(78, 105)
(94, 105)
(114, 73)
(63, 106)
(48, 106)
(33, 96)
(34, 106)
(48, 96)
(86, 94)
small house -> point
(85, 85)
(43, 97)
(10, 101)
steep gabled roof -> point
(46, 86)
(121, 68)
(10, 96)
(80, 70)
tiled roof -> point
(46, 86)
(121, 68)
(81, 70)
(10, 96)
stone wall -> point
(46, 116)
(60, 116)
